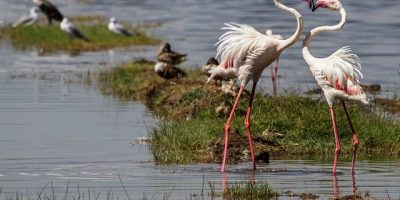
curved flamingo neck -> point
(310, 35)
(292, 39)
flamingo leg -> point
(355, 145)
(335, 187)
(337, 143)
(247, 123)
(228, 125)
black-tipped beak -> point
(311, 4)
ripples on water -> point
(53, 131)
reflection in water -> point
(336, 191)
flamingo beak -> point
(311, 4)
(319, 4)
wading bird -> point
(50, 10)
(27, 20)
(338, 75)
(245, 53)
(71, 30)
(165, 54)
(274, 68)
(117, 28)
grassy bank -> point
(50, 38)
(192, 131)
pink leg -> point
(335, 187)
(337, 143)
(227, 127)
(355, 145)
(247, 123)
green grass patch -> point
(50, 38)
(249, 190)
(192, 131)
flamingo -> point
(27, 20)
(71, 30)
(50, 10)
(245, 53)
(338, 75)
(274, 68)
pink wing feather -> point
(240, 45)
(342, 71)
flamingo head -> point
(329, 4)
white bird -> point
(168, 71)
(71, 30)
(338, 74)
(27, 20)
(274, 68)
(245, 53)
(117, 28)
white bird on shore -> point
(27, 20)
(117, 28)
(71, 30)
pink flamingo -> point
(337, 75)
(274, 68)
(245, 53)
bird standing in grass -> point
(165, 54)
(27, 20)
(117, 28)
(274, 68)
(50, 10)
(245, 53)
(166, 61)
(338, 75)
(71, 30)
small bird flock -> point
(52, 13)
(244, 53)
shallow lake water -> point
(55, 129)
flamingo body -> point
(338, 76)
(245, 53)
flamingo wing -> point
(240, 44)
(342, 71)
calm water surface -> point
(55, 129)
